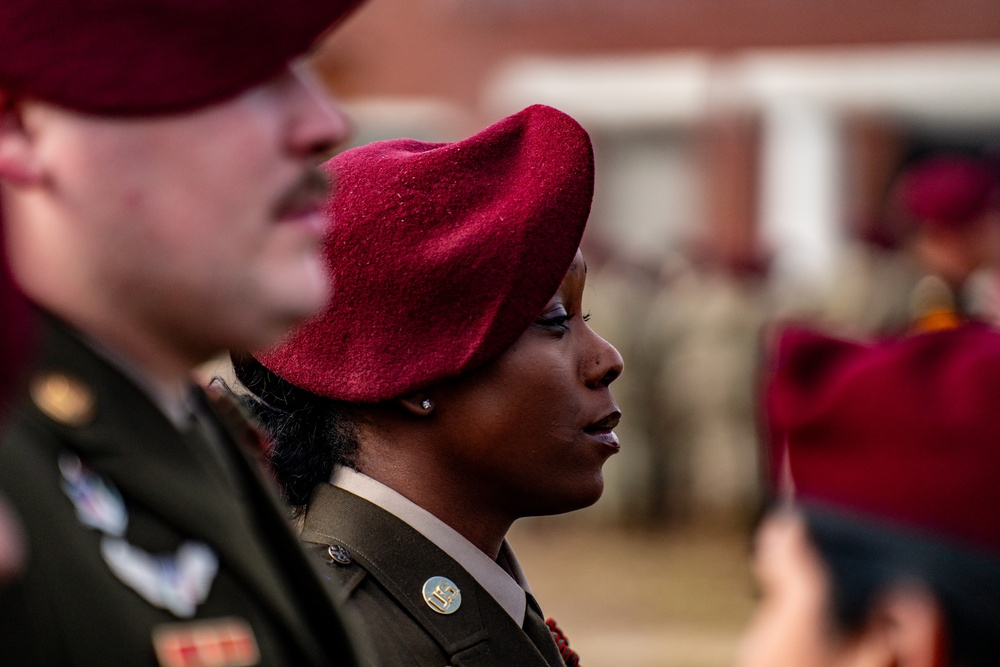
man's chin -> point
(291, 313)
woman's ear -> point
(907, 627)
(418, 403)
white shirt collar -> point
(503, 578)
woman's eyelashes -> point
(554, 318)
(558, 320)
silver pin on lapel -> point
(442, 595)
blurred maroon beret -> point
(949, 190)
(140, 57)
(905, 430)
(441, 254)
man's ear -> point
(907, 627)
(18, 162)
(418, 403)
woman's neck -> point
(405, 466)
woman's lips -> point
(603, 430)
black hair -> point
(866, 559)
(309, 434)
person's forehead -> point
(576, 277)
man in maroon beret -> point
(160, 195)
(884, 546)
(954, 202)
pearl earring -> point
(426, 404)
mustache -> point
(312, 188)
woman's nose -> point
(605, 365)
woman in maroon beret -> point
(452, 387)
(885, 549)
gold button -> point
(63, 398)
(442, 595)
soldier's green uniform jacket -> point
(383, 564)
(144, 546)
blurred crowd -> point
(693, 332)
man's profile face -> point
(204, 226)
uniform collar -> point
(173, 401)
(503, 578)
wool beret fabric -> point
(950, 190)
(903, 430)
(441, 255)
(142, 57)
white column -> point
(801, 192)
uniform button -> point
(338, 554)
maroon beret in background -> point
(141, 57)
(441, 254)
(950, 190)
(904, 430)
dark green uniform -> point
(145, 547)
(382, 564)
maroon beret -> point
(441, 255)
(904, 430)
(139, 57)
(949, 190)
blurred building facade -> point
(745, 149)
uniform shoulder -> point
(397, 637)
(338, 567)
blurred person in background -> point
(953, 201)
(452, 387)
(884, 547)
(160, 198)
